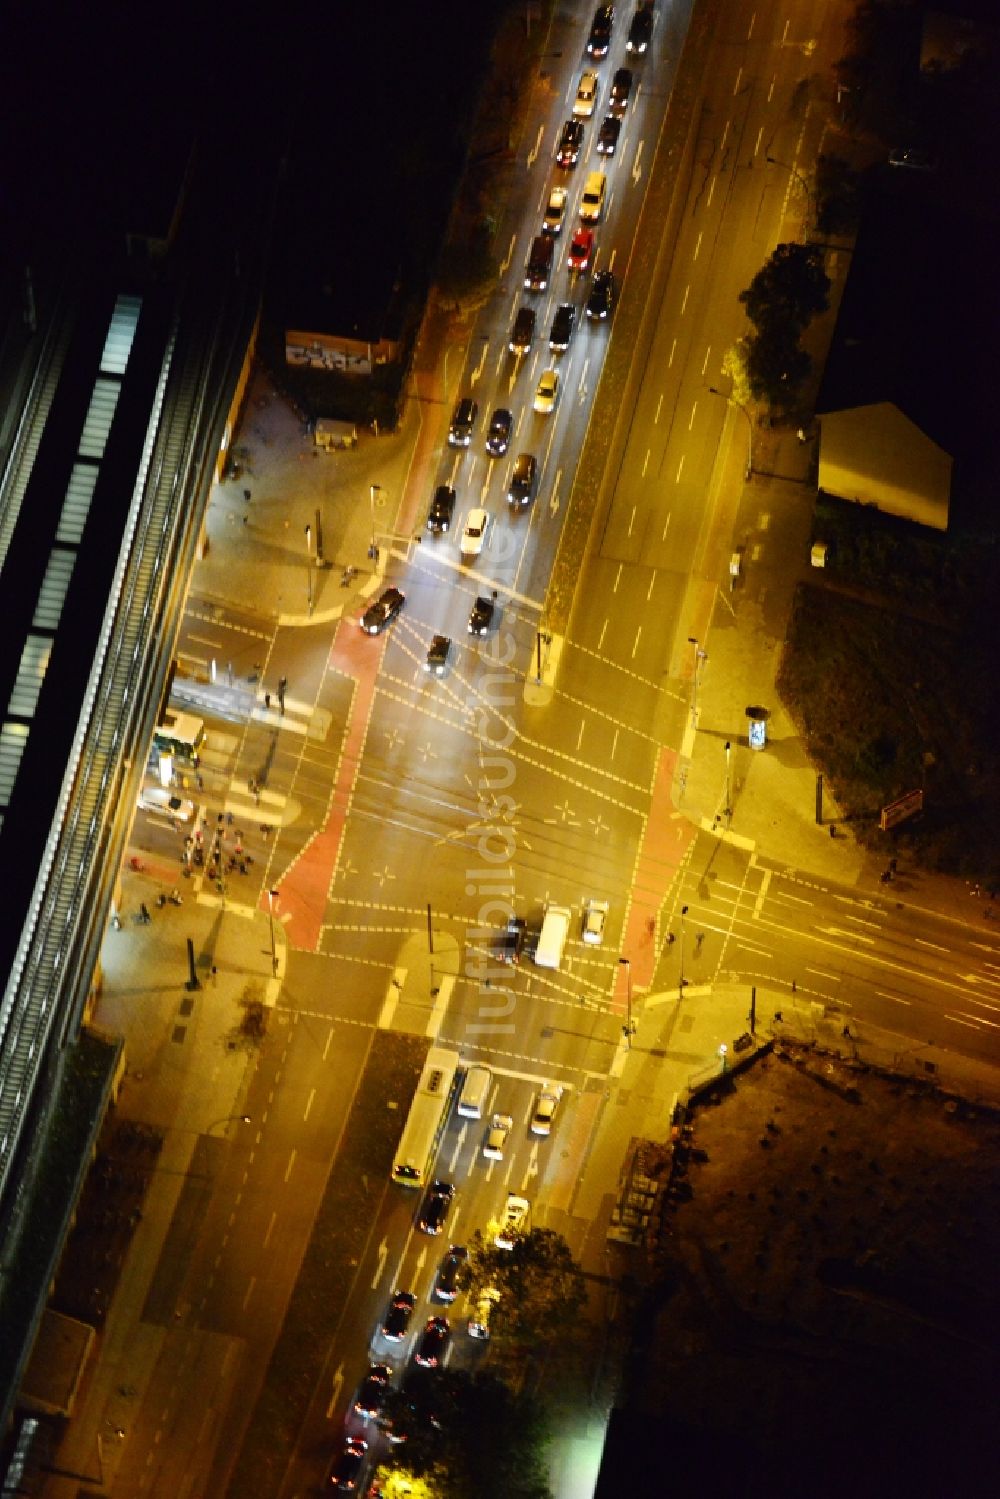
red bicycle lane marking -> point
(665, 842)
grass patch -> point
(331, 1259)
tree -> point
(777, 368)
(541, 1285)
(789, 289)
(734, 364)
(481, 1441)
(882, 58)
(837, 195)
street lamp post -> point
(309, 581)
(272, 896)
(373, 490)
(699, 657)
(732, 401)
(681, 979)
(729, 784)
(628, 1029)
(773, 161)
(229, 1119)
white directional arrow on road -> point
(422, 1258)
(505, 264)
(532, 1168)
(477, 372)
(383, 1251)
(554, 498)
(637, 170)
(533, 153)
(458, 1149)
(338, 1385)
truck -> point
(555, 929)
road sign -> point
(899, 810)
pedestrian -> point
(229, 819)
(267, 702)
(251, 785)
(892, 866)
(246, 496)
(778, 1015)
(256, 796)
(144, 913)
(215, 974)
(833, 830)
(200, 779)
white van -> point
(592, 202)
(555, 927)
(159, 799)
(475, 1092)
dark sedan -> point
(383, 611)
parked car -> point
(498, 436)
(434, 1343)
(595, 914)
(496, 1136)
(545, 1109)
(479, 1322)
(397, 1318)
(441, 511)
(463, 422)
(384, 610)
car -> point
(397, 1318)
(433, 1343)
(346, 1470)
(481, 616)
(581, 249)
(477, 524)
(435, 1208)
(555, 211)
(496, 1136)
(586, 95)
(479, 1322)
(436, 660)
(595, 914)
(384, 610)
(521, 489)
(914, 157)
(641, 30)
(602, 296)
(547, 392)
(600, 31)
(562, 327)
(570, 143)
(372, 1391)
(510, 943)
(545, 1108)
(523, 331)
(513, 1222)
(462, 422)
(441, 511)
(607, 136)
(446, 1285)
(161, 799)
(621, 92)
(498, 437)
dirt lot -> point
(824, 1314)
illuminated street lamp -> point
(272, 896)
(732, 401)
(229, 1119)
(773, 161)
(682, 980)
(309, 582)
(373, 490)
(699, 657)
(628, 1029)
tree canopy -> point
(541, 1285)
(777, 367)
(789, 289)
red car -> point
(581, 250)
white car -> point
(555, 211)
(514, 1221)
(496, 1137)
(160, 799)
(479, 1322)
(474, 536)
(547, 392)
(586, 96)
(545, 1108)
(595, 914)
